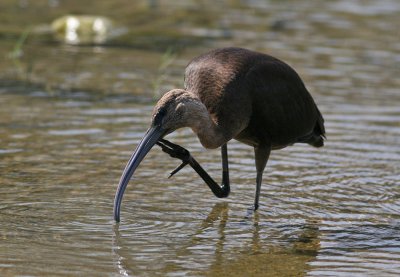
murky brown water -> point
(68, 130)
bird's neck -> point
(209, 133)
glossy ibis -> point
(232, 93)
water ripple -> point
(332, 211)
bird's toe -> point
(174, 150)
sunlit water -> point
(332, 211)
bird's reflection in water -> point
(263, 258)
(262, 255)
(116, 250)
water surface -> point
(68, 130)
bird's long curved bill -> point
(149, 139)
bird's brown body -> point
(255, 98)
(232, 93)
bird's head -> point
(176, 109)
(173, 111)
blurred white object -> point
(83, 29)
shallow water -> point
(332, 211)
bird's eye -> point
(180, 108)
(159, 116)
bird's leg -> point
(225, 168)
(176, 151)
(261, 155)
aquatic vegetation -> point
(166, 60)
(17, 52)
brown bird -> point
(232, 93)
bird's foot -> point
(255, 207)
(175, 151)
(251, 211)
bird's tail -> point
(316, 141)
(318, 136)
